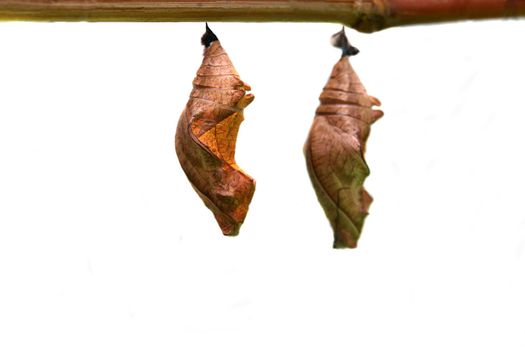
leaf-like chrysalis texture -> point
(335, 150)
(206, 136)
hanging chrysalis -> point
(207, 133)
(335, 148)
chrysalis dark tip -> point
(208, 37)
(340, 40)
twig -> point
(363, 15)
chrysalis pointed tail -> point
(340, 40)
(208, 37)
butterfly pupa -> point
(335, 148)
(206, 137)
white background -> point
(104, 244)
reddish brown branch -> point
(404, 12)
(363, 15)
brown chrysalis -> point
(207, 133)
(335, 148)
